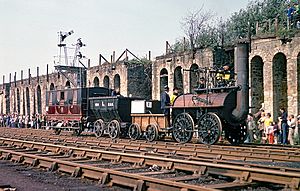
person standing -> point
(261, 126)
(165, 102)
(292, 126)
(251, 127)
(284, 125)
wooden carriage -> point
(153, 126)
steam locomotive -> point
(204, 115)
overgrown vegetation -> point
(203, 30)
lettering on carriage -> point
(110, 104)
(97, 104)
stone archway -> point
(52, 87)
(193, 77)
(257, 83)
(68, 84)
(34, 102)
(27, 101)
(39, 99)
(279, 68)
(298, 83)
(117, 82)
(164, 80)
(178, 79)
(18, 101)
(106, 81)
(23, 103)
(96, 82)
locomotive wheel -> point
(183, 128)
(134, 131)
(236, 134)
(151, 132)
(113, 129)
(99, 128)
(209, 128)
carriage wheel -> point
(134, 131)
(209, 128)
(77, 132)
(151, 132)
(113, 129)
(236, 134)
(99, 127)
(183, 128)
(57, 131)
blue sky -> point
(28, 32)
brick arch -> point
(178, 78)
(52, 86)
(39, 99)
(27, 98)
(106, 81)
(193, 77)
(23, 102)
(68, 84)
(96, 82)
(257, 83)
(279, 68)
(18, 101)
(117, 82)
(164, 79)
(298, 82)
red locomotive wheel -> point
(134, 131)
(99, 127)
(113, 129)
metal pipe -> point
(242, 69)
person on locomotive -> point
(165, 101)
(225, 76)
(202, 83)
(174, 95)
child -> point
(270, 133)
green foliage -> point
(241, 24)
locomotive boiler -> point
(214, 110)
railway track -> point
(165, 173)
(195, 151)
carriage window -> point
(69, 96)
(62, 95)
(54, 100)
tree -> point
(195, 26)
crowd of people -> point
(263, 128)
(22, 121)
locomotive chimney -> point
(241, 60)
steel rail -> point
(104, 176)
(205, 158)
(186, 150)
(247, 147)
(248, 174)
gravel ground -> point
(281, 164)
(25, 178)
